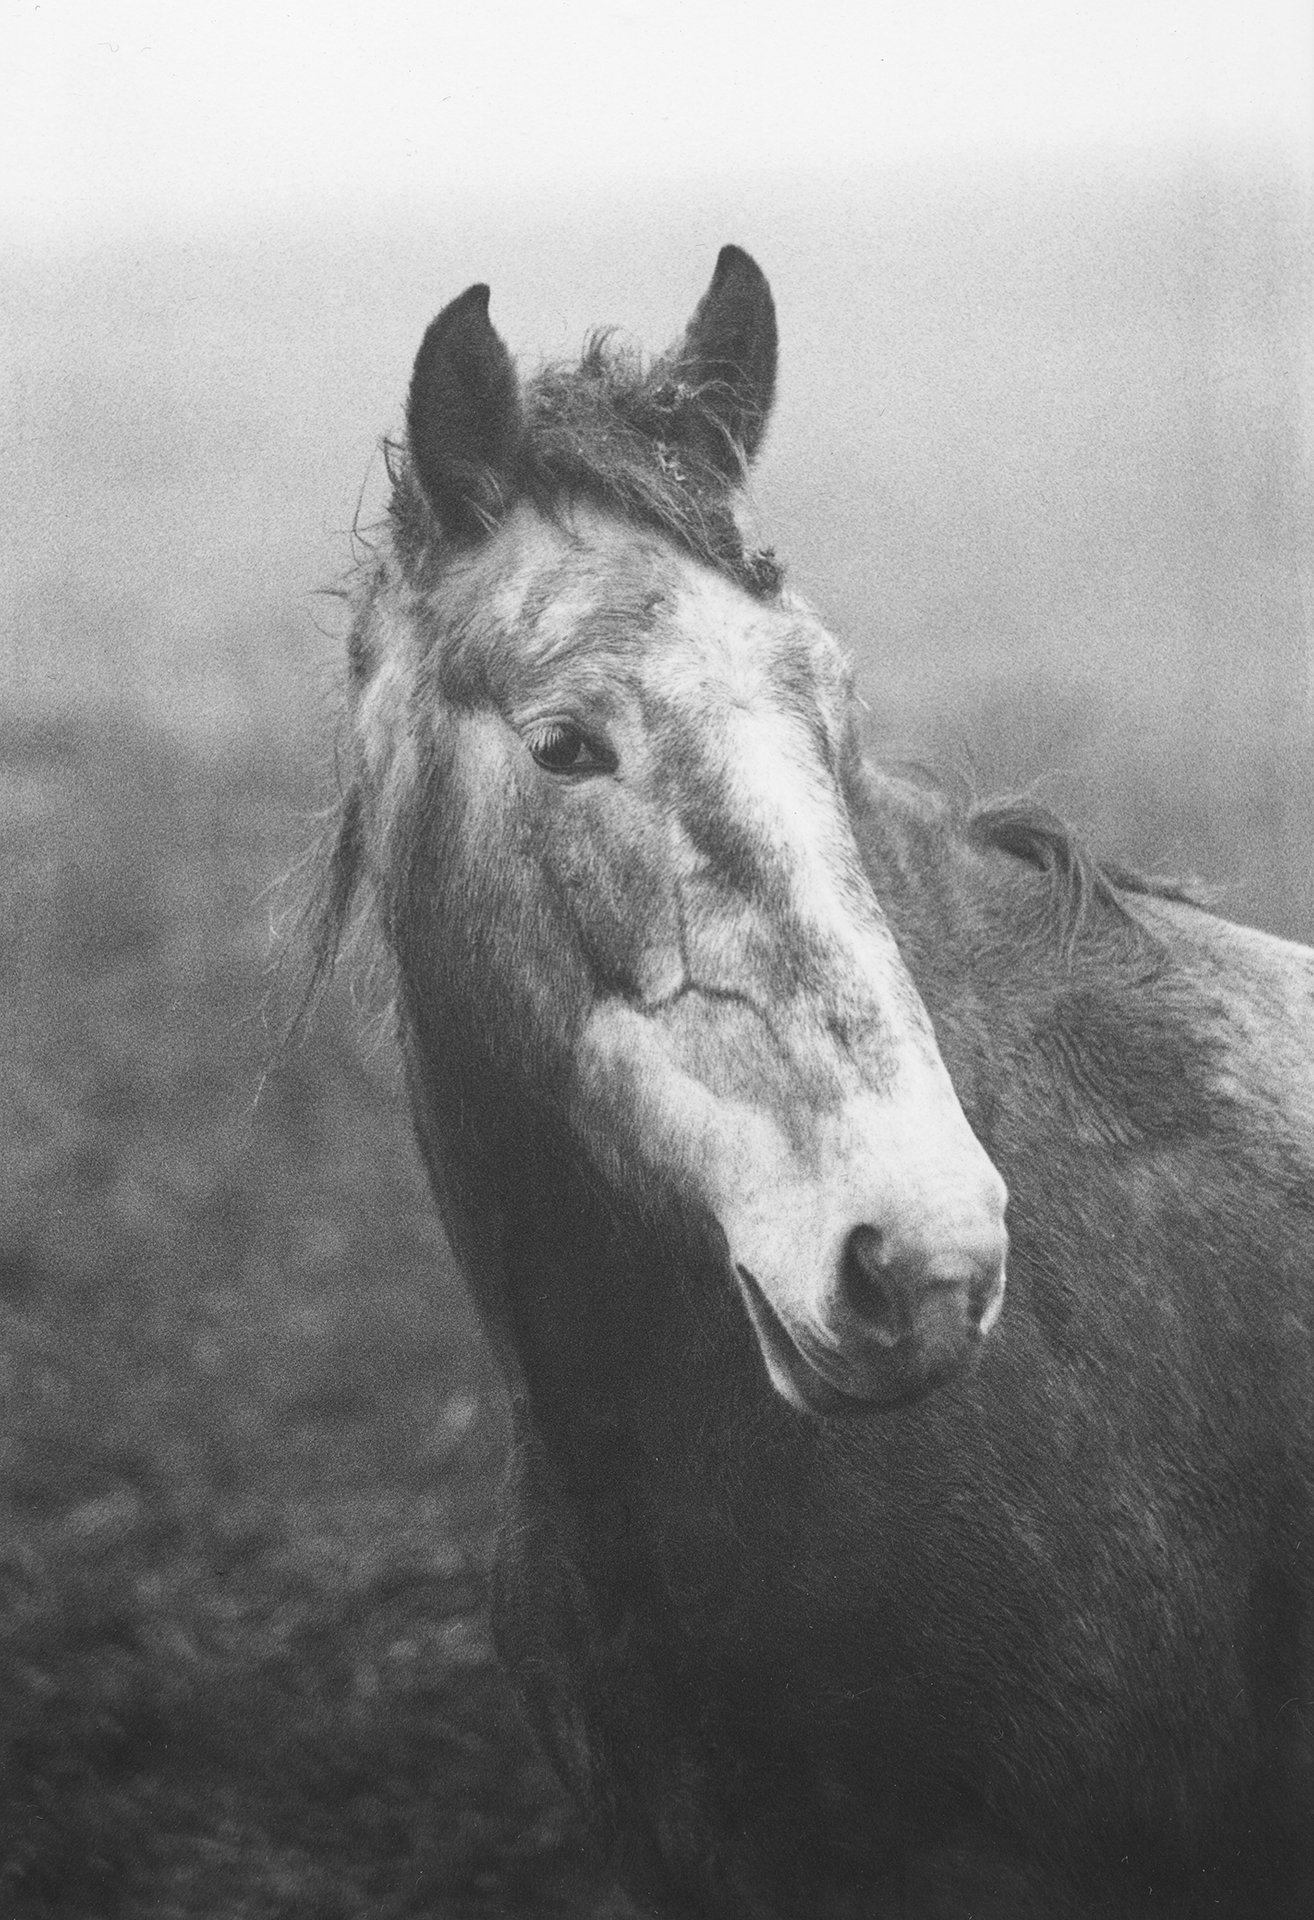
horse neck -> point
(958, 921)
(917, 872)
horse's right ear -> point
(463, 418)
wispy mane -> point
(1081, 885)
(628, 435)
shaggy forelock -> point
(629, 436)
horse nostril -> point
(981, 1291)
(874, 1289)
(895, 1291)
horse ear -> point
(729, 355)
(463, 417)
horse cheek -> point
(624, 913)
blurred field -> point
(248, 1439)
(1038, 456)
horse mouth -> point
(798, 1377)
(824, 1385)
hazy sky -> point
(123, 115)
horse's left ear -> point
(729, 356)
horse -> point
(891, 1223)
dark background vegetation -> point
(1038, 457)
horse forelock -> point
(629, 436)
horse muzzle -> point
(893, 1324)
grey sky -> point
(132, 115)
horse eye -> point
(559, 747)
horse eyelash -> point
(602, 759)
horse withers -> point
(837, 1573)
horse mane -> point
(1081, 885)
(629, 435)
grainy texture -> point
(1063, 539)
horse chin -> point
(837, 1388)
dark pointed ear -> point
(729, 356)
(463, 417)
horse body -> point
(830, 1586)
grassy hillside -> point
(1037, 455)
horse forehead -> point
(546, 578)
(546, 598)
(550, 574)
(714, 641)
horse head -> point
(605, 768)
